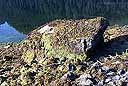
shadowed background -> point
(26, 15)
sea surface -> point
(9, 33)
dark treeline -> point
(27, 14)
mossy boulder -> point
(66, 38)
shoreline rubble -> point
(29, 64)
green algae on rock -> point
(28, 56)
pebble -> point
(110, 74)
(7, 46)
(88, 82)
(69, 75)
(125, 75)
(63, 59)
(101, 83)
(71, 67)
(108, 80)
(111, 84)
(84, 77)
(65, 76)
(117, 62)
(95, 65)
(118, 83)
(105, 68)
(123, 79)
(117, 77)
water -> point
(9, 33)
(26, 15)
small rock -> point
(7, 46)
(117, 77)
(85, 76)
(71, 67)
(125, 75)
(69, 75)
(122, 72)
(63, 59)
(86, 83)
(110, 74)
(123, 79)
(105, 68)
(118, 83)
(95, 65)
(46, 29)
(117, 62)
(111, 84)
(108, 80)
(65, 76)
(100, 83)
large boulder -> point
(67, 38)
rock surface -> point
(62, 38)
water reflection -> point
(9, 34)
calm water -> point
(9, 33)
(25, 15)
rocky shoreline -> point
(68, 53)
